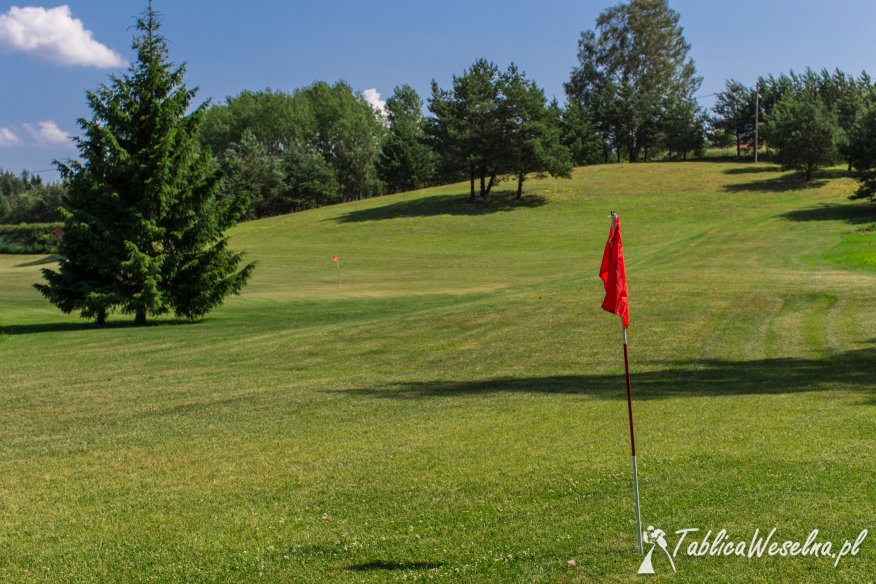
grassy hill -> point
(454, 408)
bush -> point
(30, 238)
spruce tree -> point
(143, 220)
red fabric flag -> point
(335, 259)
(614, 275)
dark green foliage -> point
(406, 160)
(580, 135)
(254, 173)
(348, 136)
(844, 97)
(735, 110)
(532, 130)
(143, 223)
(467, 126)
(293, 151)
(310, 181)
(682, 127)
(30, 238)
(803, 131)
(627, 69)
(25, 198)
(490, 124)
(861, 151)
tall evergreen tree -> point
(144, 227)
(580, 135)
(532, 130)
(406, 161)
(803, 131)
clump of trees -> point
(144, 221)
(293, 151)
(25, 198)
(809, 119)
(637, 83)
(492, 123)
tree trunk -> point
(520, 178)
(490, 184)
(101, 316)
(483, 184)
(738, 147)
(808, 171)
(472, 175)
(140, 317)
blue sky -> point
(231, 46)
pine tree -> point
(803, 131)
(532, 130)
(143, 222)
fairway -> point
(453, 407)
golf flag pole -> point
(337, 260)
(633, 442)
(614, 277)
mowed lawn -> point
(454, 408)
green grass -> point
(455, 410)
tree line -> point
(630, 96)
(26, 198)
(809, 119)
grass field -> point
(454, 409)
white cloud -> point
(8, 138)
(53, 34)
(48, 134)
(372, 96)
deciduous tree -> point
(627, 67)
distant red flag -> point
(614, 275)
(335, 259)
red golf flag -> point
(614, 275)
(335, 259)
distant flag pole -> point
(614, 277)
(337, 260)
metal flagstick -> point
(632, 440)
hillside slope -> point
(453, 407)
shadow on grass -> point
(754, 169)
(49, 259)
(779, 184)
(854, 370)
(384, 565)
(791, 181)
(459, 204)
(60, 327)
(852, 213)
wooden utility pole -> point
(756, 117)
